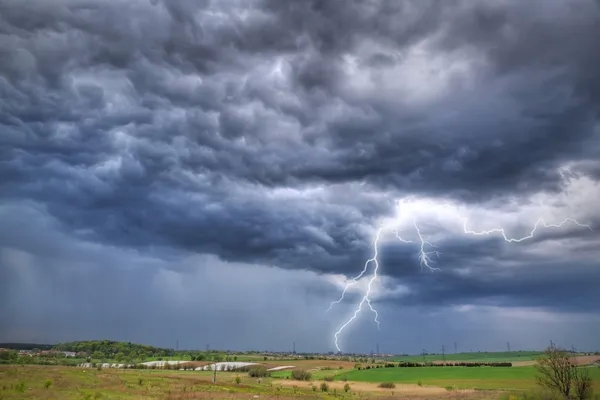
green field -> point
(461, 377)
(500, 356)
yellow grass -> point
(68, 383)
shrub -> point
(324, 387)
(420, 383)
(329, 378)
(258, 371)
(346, 388)
(387, 385)
(47, 384)
(238, 380)
(20, 387)
(301, 375)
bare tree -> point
(558, 372)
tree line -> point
(407, 364)
(109, 348)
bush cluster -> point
(301, 375)
(258, 371)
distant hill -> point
(109, 348)
(26, 346)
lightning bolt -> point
(368, 291)
(530, 236)
(424, 256)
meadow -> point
(68, 383)
(341, 378)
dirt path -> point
(404, 389)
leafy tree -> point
(8, 355)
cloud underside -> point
(281, 134)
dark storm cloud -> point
(545, 286)
(238, 129)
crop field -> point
(461, 377)
(501, 356)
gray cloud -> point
(277, 133)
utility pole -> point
(378, 348)
(423, 356)
(573, 349)
(455, 348)
(294, 347)
(551, 344)
(508, 346)
(443, 353)
(215, 373)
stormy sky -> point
(213, 171)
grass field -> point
(68, 383)
(461, 377)
(65, 383)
